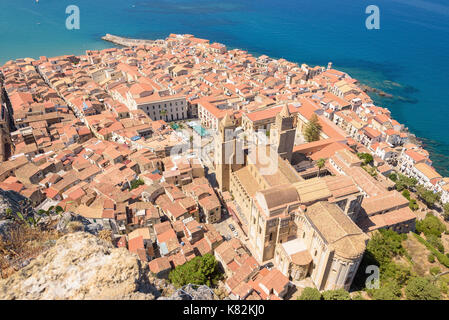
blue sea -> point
(407, 57)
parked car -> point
(268, 265)
(236, 234)
(231, 226)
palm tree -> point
(320, 164)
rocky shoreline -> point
(379, 92)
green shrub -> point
(404, 182)
(429, 197)
(386, 244)
(381, 248)
(393, 177)
(446, 213)
(430, 225)
(422, 289)
(443, 287)
(366, 157)
(406, 194)
(310, 294)
(393, 273)
(413, 205)
(435, 270)
(136, 183)
(389, 292)
(339, 294)
(435, 242)
(431, 258)
(200, 270)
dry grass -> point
(419, 254)
(105, 235)
(74, 226)
(24, 243)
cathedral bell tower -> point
(283, 132)
(225, 151)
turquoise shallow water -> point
(408, 56)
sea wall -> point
(126, 42)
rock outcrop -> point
(81, 266)
(10, 200)
(68, 217)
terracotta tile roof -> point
(135, 243)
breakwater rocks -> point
(126, 42)
(377, 91)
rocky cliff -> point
(81, 266)
(10, 200)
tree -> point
(310, 294)
(429, 197)
(384, 245)
(200, 270)
(393, 177)
(422, 289)
(312, 129)
(435, 242)
(339, 294)
(366, 157)
(136, 183)
(406, 194)
(390, 292)
(395, 275)
(446, 211)
(413, 205)
(320, 164)
(430, 225)
(404, 182)
(434, 271)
